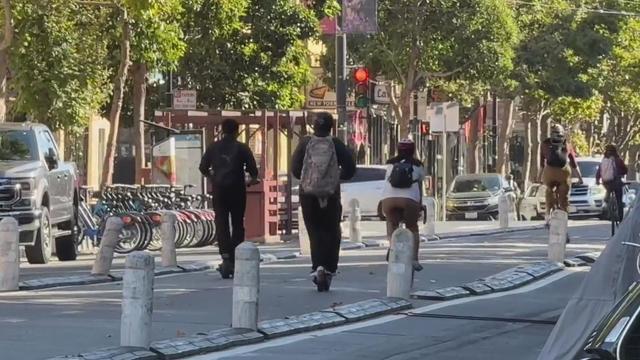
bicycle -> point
(613, 211)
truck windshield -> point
(479, 184)
(16, 145)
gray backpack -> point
(320, 171)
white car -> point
(532, 205)
(366, 186)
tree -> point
(247, 53)
(155, 37)
(58, 61)
(470, 40)
(7, 39)
(118, 95)
(157, 45)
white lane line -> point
(379, 321)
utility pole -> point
(341, 78)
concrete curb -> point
(381, 243)
(504, 281)
(74, 280)
(216, 340)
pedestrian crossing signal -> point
(361, 79)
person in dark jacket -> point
(611, 171)
(225, 163)
(322, 220)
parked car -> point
(475, 196)
(532, 205)
(366, 186)
(39, 190)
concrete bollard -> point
(108, 243)
(246, 286)
(168, 231)
(9, 255)
(558, 224)
(303, 235)
(504, 210)
(430, 227)
(399, 272)
(137, 300)
(355, 233)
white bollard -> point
(558, 223)
(137, 300)
(246, 286)
(430, 227)
(168, 231)
(303, 235)
(9, 255)
(108, 243)
(355, 234)
(504, 210)
(400, 270)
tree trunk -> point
(139, 97)
(472, 150)
(404, 122)
(4, 58)
(535, 144)
(116, 104)
(634, 151)
(502, 164)
(528, 155)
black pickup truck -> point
(40, 191)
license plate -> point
(471, 215)
(573, 209)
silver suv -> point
(588, 199)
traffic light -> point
(425, 128)
(361, 78)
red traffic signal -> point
(361, 75)
(425, 128)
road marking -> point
(381, 320)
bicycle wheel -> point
(613, 212)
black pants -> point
(229, 201)
(325, 234)
(616, 186)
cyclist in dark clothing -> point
(611, 171)
(322, 216)
(225, 163)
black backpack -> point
(558, 156)
(224, 164)
(402, 175)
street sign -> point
(185, 100)
(381, 95)
(444, 115)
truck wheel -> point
(66, 246)
(40, 252)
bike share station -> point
(271, 135)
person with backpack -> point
(557, 160)
(611, 171)
(402, 194)
(320, 162)
(225, 163)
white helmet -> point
(557, 132)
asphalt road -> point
(509, 326)
(45, 323)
